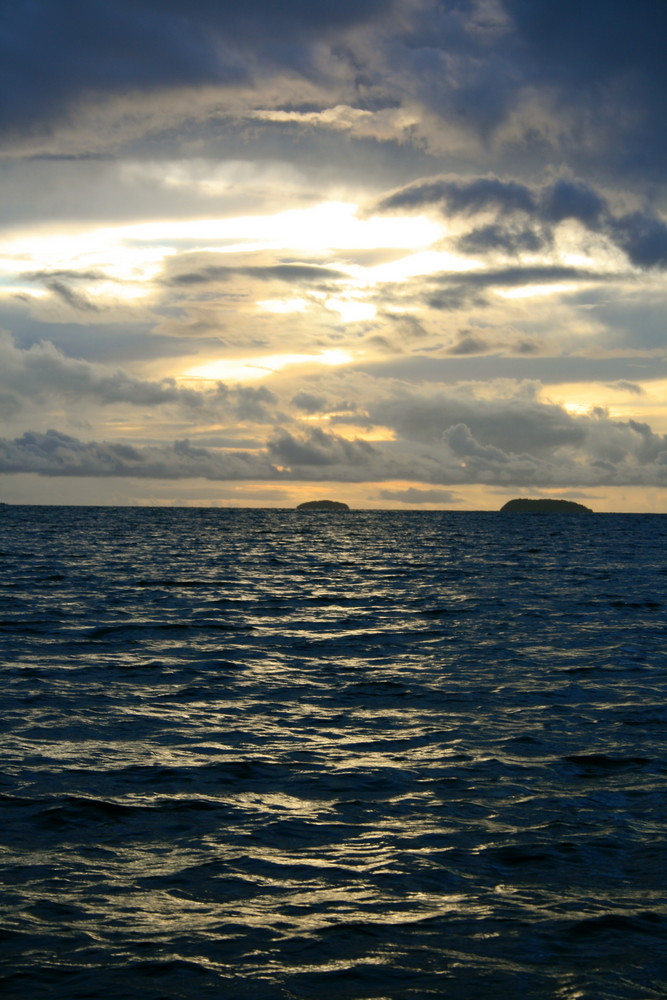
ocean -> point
(277, 755)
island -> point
(323, 505)
(544, 506)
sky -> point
(405, 254)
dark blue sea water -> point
(281, 755)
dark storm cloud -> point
(570, 199)
(584, 45)
(595, 71)
(289, 273)
(54, 54)
(606, 57)
(555, 202)
(511, 240)
(462, 197)
(590, 77)
(641, 235)
(515, 277)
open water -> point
(277, 755)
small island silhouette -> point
(323, 505)
(544, 506)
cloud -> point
(43, 370)
(641, 235)
(604, 58)
(508, 239)
(578, 83)
(250, 403)
(572, 199)
(461, 197)
(58, 454)
(42, 373)
(289, 273)
(319, 449)
(309, 402)
(459, 290)
(582, 83)
(52, 56)
(72, 298)
(624, 386)
(608, 453)
(516, 423)
(511, 277)
(469, 343)
(496, 434)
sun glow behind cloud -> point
(258, 367)
(326, 226)
(85, 250)
(127, 261)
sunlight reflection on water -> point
(389, 755)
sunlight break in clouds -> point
(327, 226)
(256, 368)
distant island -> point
(523, 506)
(323, 505)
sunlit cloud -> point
(538, 291)
(255, 368)
(129, 269)
(283, 305)
(327, 226)
(350, 310)
(422, 263)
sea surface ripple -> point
(283, 755)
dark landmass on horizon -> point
(323, 505)
(544, 506)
